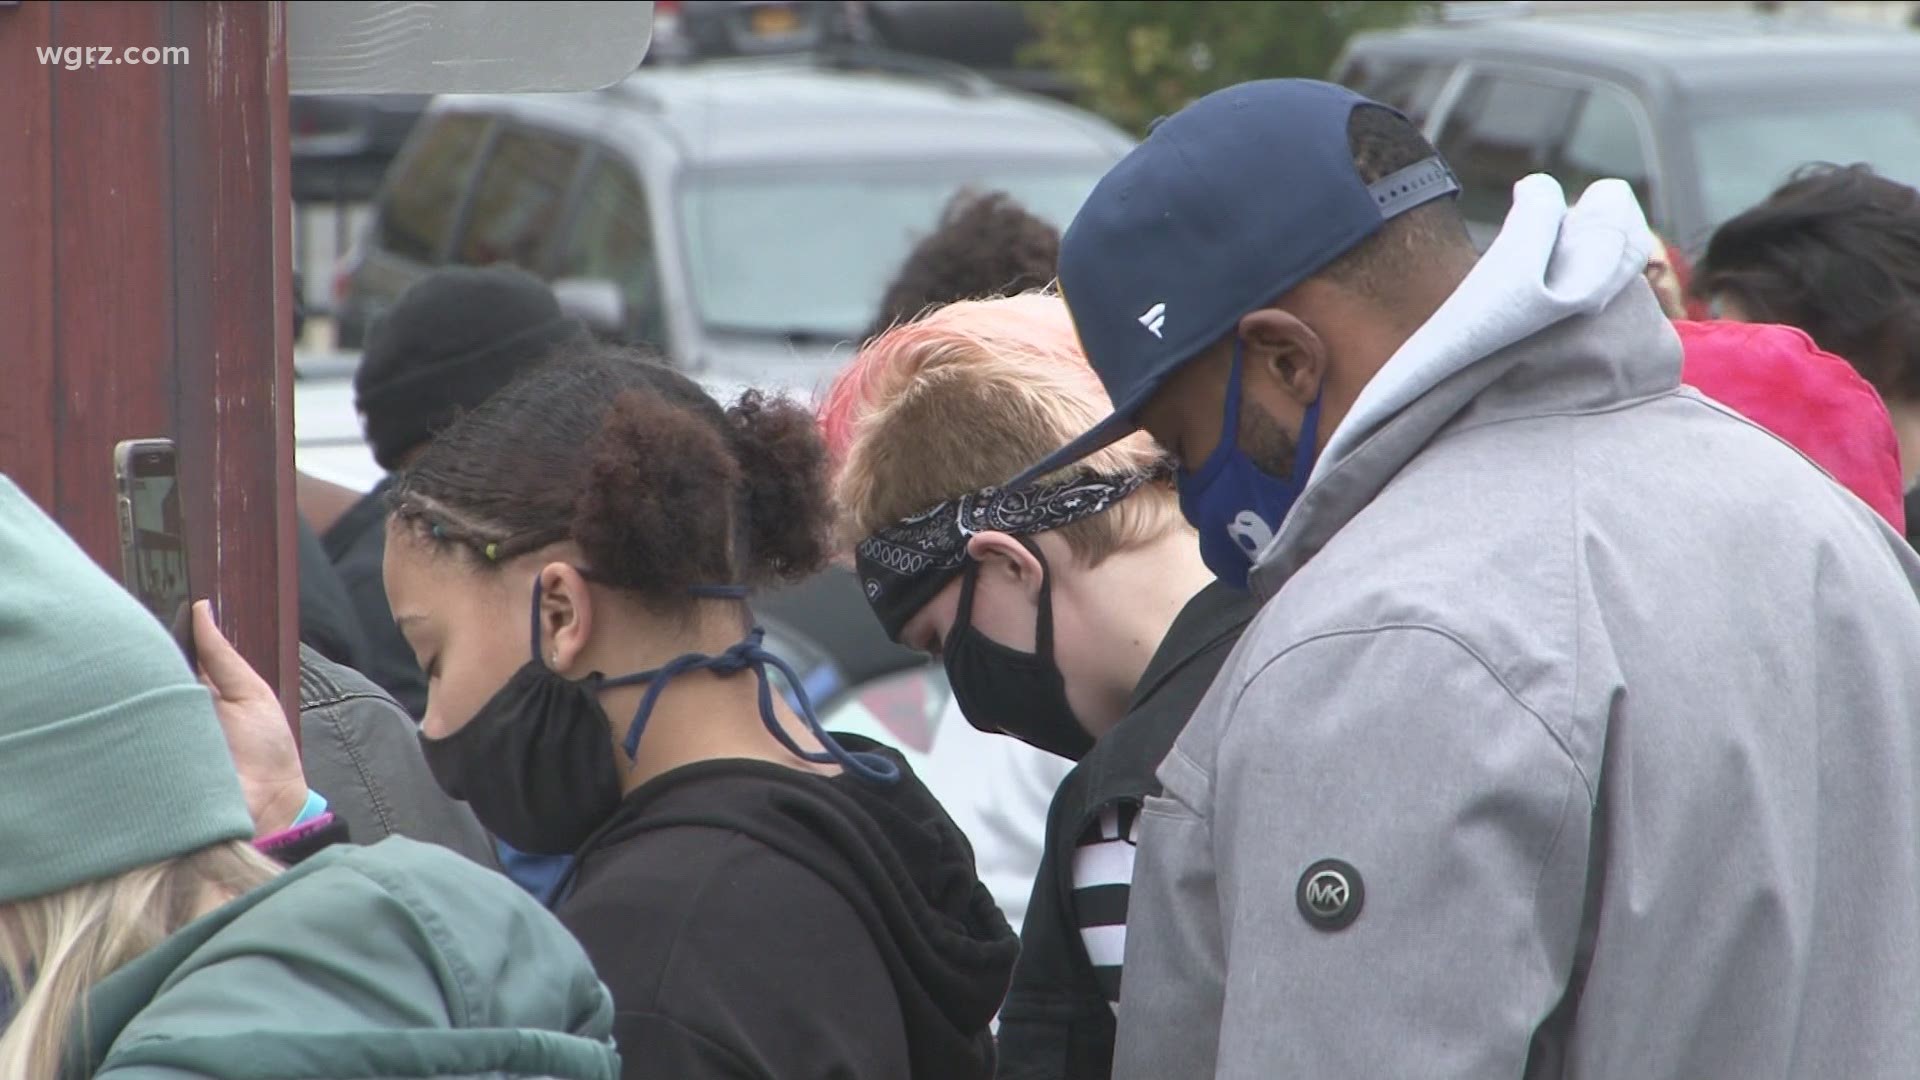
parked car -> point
(1704, 113)
(744, 215)
(986, 35)
(696, 29)
(341, 144)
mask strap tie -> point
(748, 654)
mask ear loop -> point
(1305, 451)
(1043, 623)
(534, 621)
(963, 611)
(1229, 429)
(1230, 417)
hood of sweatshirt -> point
(397, 959)
(1551, 273)
(895, 854)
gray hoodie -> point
(1602, 698)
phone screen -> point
(154, 538)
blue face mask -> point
(1236, 506)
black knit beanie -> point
(450, 342)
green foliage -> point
(1135, 60)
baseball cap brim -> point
(1123, 422)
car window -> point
(1604, 141)
(1747, 151)
(1407, 85)
(774, 251)
(611, 239)
(516, 204)
(1502, 129)
(422, 197)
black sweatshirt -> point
(755, 921)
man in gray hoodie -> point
(1575, 736)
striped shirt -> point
(1102, 878)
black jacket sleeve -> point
(1056, 1024)
(727, 960)
(328, 622)
(357, 544)
(362, 752)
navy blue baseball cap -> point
(1227, 205)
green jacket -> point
(397, 960)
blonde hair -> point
(54, 949)
(966, 397)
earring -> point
(554, 661)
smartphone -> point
(153, 534)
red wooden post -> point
(146, 284)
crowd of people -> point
(1431, 661)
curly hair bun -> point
(658, 476)
(783, 461)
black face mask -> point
(1005, 691)
(536, 762)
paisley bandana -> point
(905, 565)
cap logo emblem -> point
(1154, 318)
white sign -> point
(463, 46)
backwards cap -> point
(1227, 205)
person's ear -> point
(1000, 555)
(566, 616)
(1282, 352)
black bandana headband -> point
(905, 565)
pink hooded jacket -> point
(1778, 378)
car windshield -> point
(810, 253)
(1745, 154)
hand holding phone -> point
(258, 735)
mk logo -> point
(1330, 895)
(1154, 318)
(1327, 892)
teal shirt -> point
(399, 960)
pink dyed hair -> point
(965, 397)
